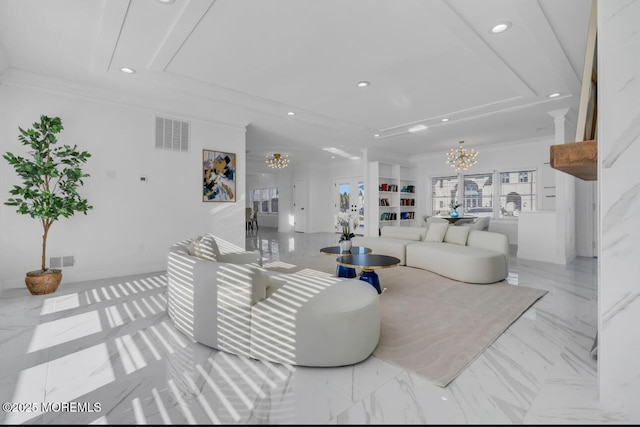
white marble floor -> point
(104, 352)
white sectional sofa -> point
(457, 252)
(228, 302)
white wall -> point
(4, 64)
(619, 191)
(320, 203)
(132, 224)
(537, 233)
(586, 201)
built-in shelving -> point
(396, 194)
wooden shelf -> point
(579, 159)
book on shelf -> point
(407, 215)
(388, 216)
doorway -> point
(299, 203)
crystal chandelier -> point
(461, 159)
(277, 161)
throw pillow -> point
(259, 282)
(457, 235)
(436, 232)
(206, 247)
(274, 283)
(191, 247)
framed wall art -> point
(218, 176)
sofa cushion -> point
(405, 233)
(384, 246)
(436, 232)
(206, 247)
(457, 235)
(489, 240)
(464, 263)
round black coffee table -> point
(341, 270)
(368, 263)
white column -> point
(368, 191)
(565, 198)
(371, 196)
(619, 182)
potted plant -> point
(51, 176)
(345, 224)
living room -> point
(145, 199)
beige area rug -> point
(432, 325)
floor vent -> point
(172, 134)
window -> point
(273, 194)
(265, 200)
(477, 199)
(517, 195)
(498, 194)
(443, 192)
(523, 176)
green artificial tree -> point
(51, 176)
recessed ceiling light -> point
(554, 95)
(417, 128)
(377, 135)
(166, 1)
(127, 70)
(363, 83)
(340, 152)
(499, 28)
(291, 113)
(444, 120)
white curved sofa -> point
(465, 255)
(457, 252)
(232, 304)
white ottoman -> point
(317, 321)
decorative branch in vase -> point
(454, 209)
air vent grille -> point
(172, 134)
